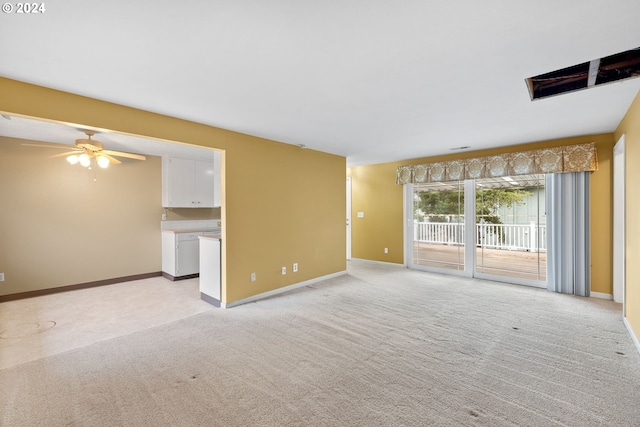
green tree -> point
(441, 206)
(445, 206)
(489, 201)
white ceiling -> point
(372, 80)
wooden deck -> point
(521, 264)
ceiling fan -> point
(87, 149)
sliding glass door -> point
(502, 236)
(438, 225)
(511, 228)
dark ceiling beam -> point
(561, 81)
(624, 64)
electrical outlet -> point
(284, 270)
(386, 250)
(253, 277)
(164, 217)
(295, 267)
(1, 277)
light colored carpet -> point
(382, 346)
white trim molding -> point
(281, 290)
(633, 335)
(601, 295)
(369, 261)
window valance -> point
(569, 158)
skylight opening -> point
(624, 65)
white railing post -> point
(533, 234)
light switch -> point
(360, 214)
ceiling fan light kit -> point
(84, 159)
(102, 161)
(87, 150)
(72, 159)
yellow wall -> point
(375, 193)
(281, 204)
(630, 127)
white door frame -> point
(407, 215)
(619, 217)
(348, 218)
(470, 247)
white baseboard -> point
(601, 295)
(633, 335)
(281, 290)
(369, 261)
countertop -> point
(211, 236)
(190, 230)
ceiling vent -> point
(624, 65)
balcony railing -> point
(514, 237)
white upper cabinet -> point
(204, 184)
(188, 183)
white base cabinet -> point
(210, 270)
(180, 254)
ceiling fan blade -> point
(63, 146)
(112, 160)
(66, 154)
(121, 154)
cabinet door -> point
(204, 184)
(182, 183)
(187, 258)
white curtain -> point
(568, 249)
